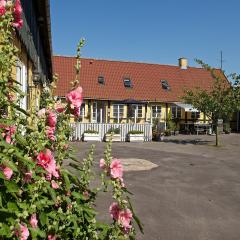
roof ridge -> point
(125, 61)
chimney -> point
(183, 63)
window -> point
(94, 112)
(22, 79)
(127, 83)
(82, 110)
(118, 111)
(165, 85)
(195, 115)
(137, 109)
(156, 111)
(101, 80)
(176, 112)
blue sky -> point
(154, 31)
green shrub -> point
(135, 132)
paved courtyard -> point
(189, 191)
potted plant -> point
(114, 134)
(91, 135)
(135, 136)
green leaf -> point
(12, 187)
(66, 180)
(12, 207)
(43, 218)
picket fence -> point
(102, 128)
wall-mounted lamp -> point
(36, 78)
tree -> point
(220, 102)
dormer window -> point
(101, 80)
(165, 85)
(127, 83)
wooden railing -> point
(102, 128)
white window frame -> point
(178, 112)
(21, 75)
(94, 112)
(156, 111)
(120, 111)
(138, 110)
(195, 115)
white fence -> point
(102, 128)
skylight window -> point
(127, 83)
(165, 85)
(101, 80)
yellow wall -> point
(164, 113)
(33, 93)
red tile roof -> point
(146, 79)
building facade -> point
(34, 62)
(130, 92)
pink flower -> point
(59, 107)
(44, 158)
(125, 218)
(33, 221)
(24, 233)
(2, 7)
(28, 177)
(50, 133)
(76, 112)
(54, 185)
(17, 8)
(86, 194)
(51, 237)
(47, 161)
(52, 169)
(8, 132)
(51, 119)
(102, 163)
(114, 210)
(116, 169)
(17, 12)
(8, 172)
(74, 98)
(42, 112)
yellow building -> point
(34, 64)
(131, 92)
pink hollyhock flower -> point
(17, 12)
(33, 221)
(54, 185)
(74, 98)
(51, 119)
(7, 134)
(24, 233)
(17, 8)
(59, 107)
(51, 237)
(8, 172)
(28, 177)
(76, 112)
(50, 133)
(47, 161)
(42, 112)
(114, 210)
(86, 194)
(2, 7)
(125, 218)
(116, 169)
(44, 158)
(102, 163)
(52, 169)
